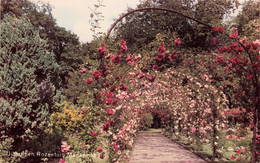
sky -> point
(74, 15)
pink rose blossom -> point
(99, 149)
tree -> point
(141, 28)
(247, 21)
(64, 44)
(30, 82)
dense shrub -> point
(29, 83)
(75, 126)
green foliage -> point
(76, 88)
(48, 141)
(146, 121)
(77, 91)
(30, 82)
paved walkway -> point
(156, 148)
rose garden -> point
(206, 100)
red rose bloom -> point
(141, 75)
(123, 87)
(102, 155)
(83, 70)
(220, 29)
(113, 88)
(110, 111)
(89, 81)
(249, 77)
(220, 60)
(215, 29)
(160, 56)
(222, 50)
(106, 84)
(238, 151)
(151, 78)
(177, 42)
(234, 34)
(99, 149)
(131, 63)
(116, 59)
(97, 75)
(109, 95)
(213, 41)
(129, 58)
(93, 133)
(65, 148)
(108, 56)
(106, 126)
(117, 147)
(161, 49)
(123, 46)
(102, 50)
(108, 101)
(172, 56)
(114, 102)
(62, 161)
(155, 67)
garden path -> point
(154, 147)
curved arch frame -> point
(151, 8)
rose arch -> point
(191, 96)
(199, 106)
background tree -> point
(247, 21)
(138, 33)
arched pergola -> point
(255, 81)
(152, 8)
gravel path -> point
(156, 148)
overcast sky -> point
(74, 15)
